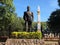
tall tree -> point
(6, 10)
(54, 21)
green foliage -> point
(7, 2)
(6, 11)
(59, 2)
(34, 26)
(27, 35)
(54, 21)
(44, 25)
(20, 24)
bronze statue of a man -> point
(28, 17)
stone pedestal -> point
(24, 42)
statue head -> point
(28, 8)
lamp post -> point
(38, 20)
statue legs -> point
(28, 26)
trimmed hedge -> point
(27, 35)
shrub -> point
(3, 38)
(27, 35)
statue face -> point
(28, 8)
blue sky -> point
(46, 7)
